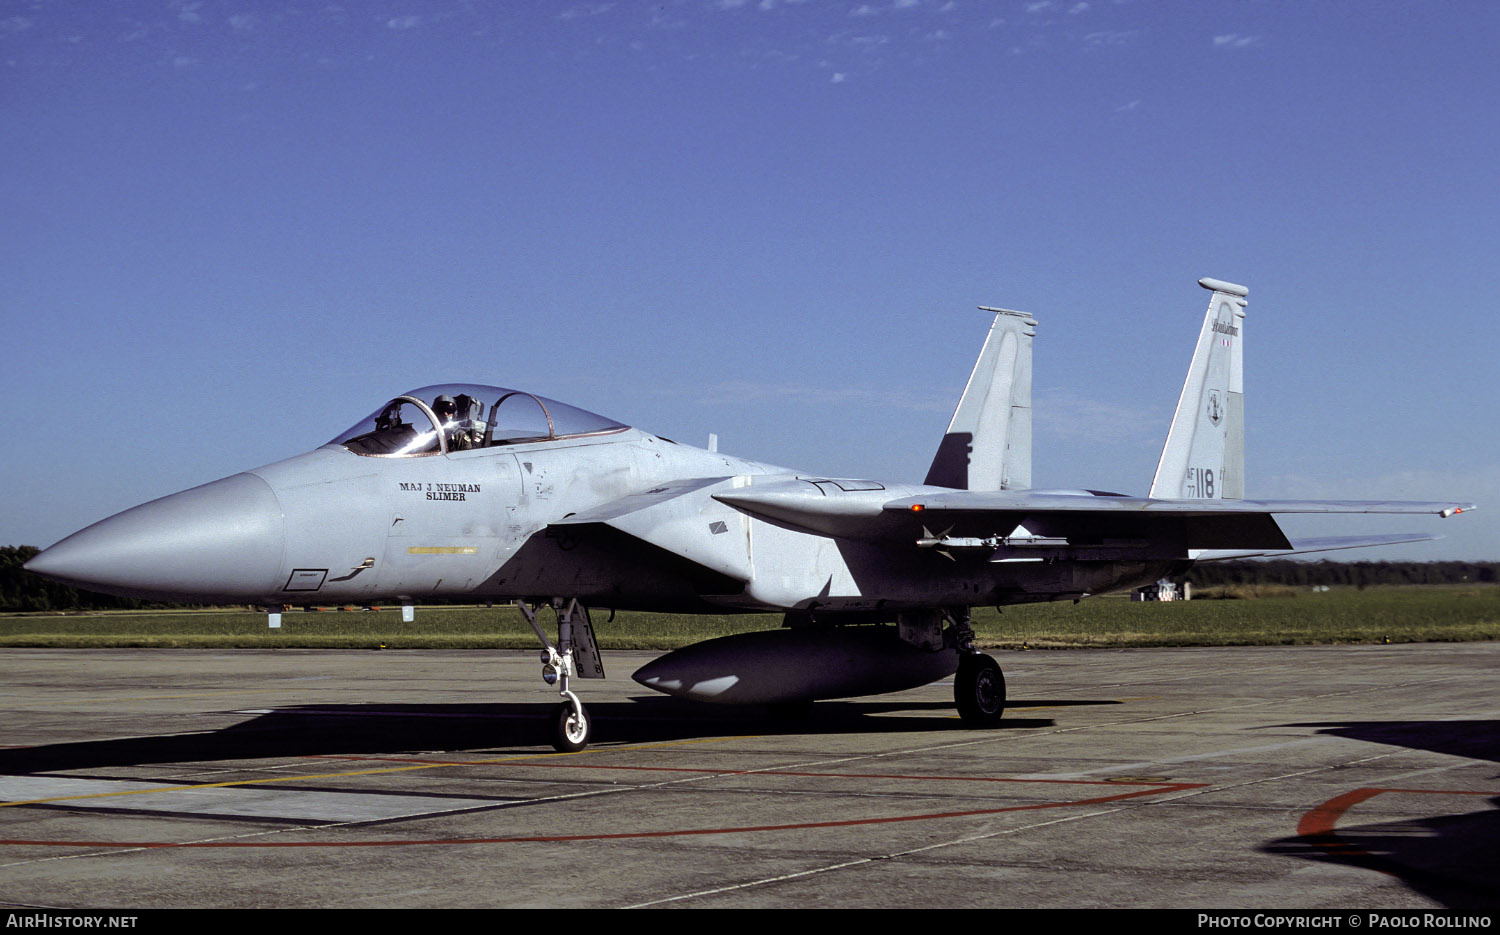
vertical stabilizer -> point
(988, 443)
(1204, 457)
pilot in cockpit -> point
(456, 425)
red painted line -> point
(1166, 784)
(788, 772)
(1317, 825)
(624, 835)
(390, 759)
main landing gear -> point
(575, 654)
(979, 690)
(979, 686)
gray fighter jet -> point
(498, 494)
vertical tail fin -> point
(1204, 457)
(988, 442)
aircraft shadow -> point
(383, 730)
(1453, 858)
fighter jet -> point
(494, 494)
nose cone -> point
(221, 541)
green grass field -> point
(1372, 615)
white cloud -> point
(242, 21)
(1127, 107)
(1111, 37)
(1064, 414)
(585, 9)
(732, 392)
(403, 22)
(838, 77)
(1078, 8)
(1234, 40)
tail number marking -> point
(1200, 483)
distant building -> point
(1164, 590)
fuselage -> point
(404, 507)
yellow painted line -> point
(306, 777)
(1020, 706)
(441, 549)
(208, 694)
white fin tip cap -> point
(1219, 285)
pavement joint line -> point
(212, 693)
(349, 824)
(304, 777)
(1167, 797)
(1247, 704)
(896, 855)
(1152, 789)
(556, 838)
(1214, 755)
(268, 832)
(423, 766)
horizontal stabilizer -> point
(1304, 546)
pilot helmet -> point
(444, 404)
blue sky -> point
(231, 229)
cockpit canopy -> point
(449, 417)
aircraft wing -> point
(1041, 518)
(1003, 502)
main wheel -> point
(570, 730)
(979, 690)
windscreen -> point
(462, 416)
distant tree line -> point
(1356, 574)
(21, 591)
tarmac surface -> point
(1347, 777)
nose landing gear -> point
(575, 654)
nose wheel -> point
(571, 727)
(979, 690)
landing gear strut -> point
(574, 655)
